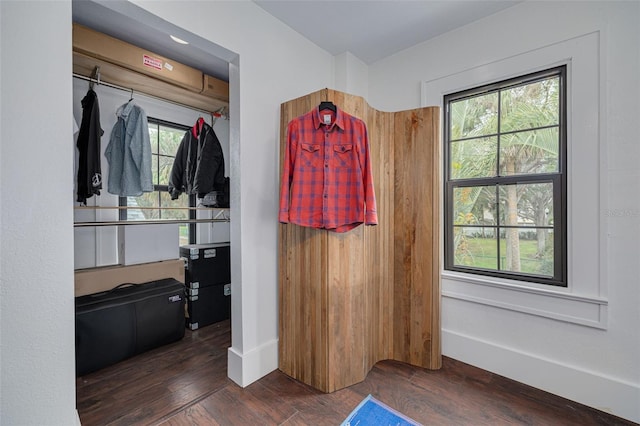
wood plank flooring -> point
(185, 383)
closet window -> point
(505, 179)
(165, 138)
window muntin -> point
(505, 185)
(165, 139)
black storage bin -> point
(130, 319)
(207, 280)
(206, 264)
(208, 305)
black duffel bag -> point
(130, 319)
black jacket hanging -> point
(89, 181)
(199, 164)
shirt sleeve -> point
(370, 212)
(287, 172)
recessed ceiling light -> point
(178, 40)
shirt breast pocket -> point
(310, 155)
(343, 156)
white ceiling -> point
(369, 29)
(375, 29)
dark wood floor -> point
(186, 383)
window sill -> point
(557, 303)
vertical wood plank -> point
(346, 288)
(417, 324)
(433, 130)
(379, 253)
(303, 343)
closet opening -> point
(121, 237)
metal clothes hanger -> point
(95, 76)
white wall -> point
(274, 64)
(36, 244)
(351, 75)
(100, 246)
(582, 343)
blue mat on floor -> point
(371, 412)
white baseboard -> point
(607, 394)
(245, 368)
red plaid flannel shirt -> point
(326, 179)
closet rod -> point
(130, 90)
(147, 222)
(146, 208)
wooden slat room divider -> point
(347, 301)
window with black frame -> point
(165, 138)
(505, 179)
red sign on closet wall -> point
(150, 61)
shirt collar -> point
(339, 121)
(125, 109)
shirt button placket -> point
(325, 186)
